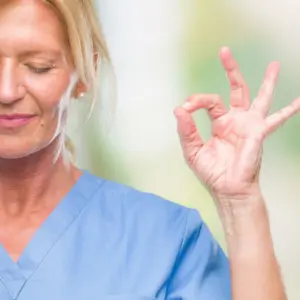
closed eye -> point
(38, 70)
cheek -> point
(51, 91)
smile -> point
(15, 121)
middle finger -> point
(239, 91)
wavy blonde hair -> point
(87, 44)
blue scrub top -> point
(107, 241)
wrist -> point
(238, 201)
(242, 213)
(247, 229)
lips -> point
(15, 116)
(15, 120)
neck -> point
(35, 182)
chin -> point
(30, 145)
(13, 153)
(18, 149)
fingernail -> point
(187, 105)
(225, 48)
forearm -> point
(255, 273)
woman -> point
(66, 234)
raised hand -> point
(229, 162)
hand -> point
(229, 162)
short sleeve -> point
(202, 270)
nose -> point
(10, 89)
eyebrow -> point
(53, 54)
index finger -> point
(239, 91)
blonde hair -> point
(87, 44)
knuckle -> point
(217, 98)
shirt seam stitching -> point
(184, 236)
(59, 237)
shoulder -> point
(121, 195)
(152, 231)
(138, 209)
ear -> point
(79, 89)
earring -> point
(81, 95)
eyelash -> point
(39, 71)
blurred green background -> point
(164, 51)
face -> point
(36, 77)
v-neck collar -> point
(15, 274)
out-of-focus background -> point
(164, 51)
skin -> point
(229, 165)
(35, 180)
(36, 78)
